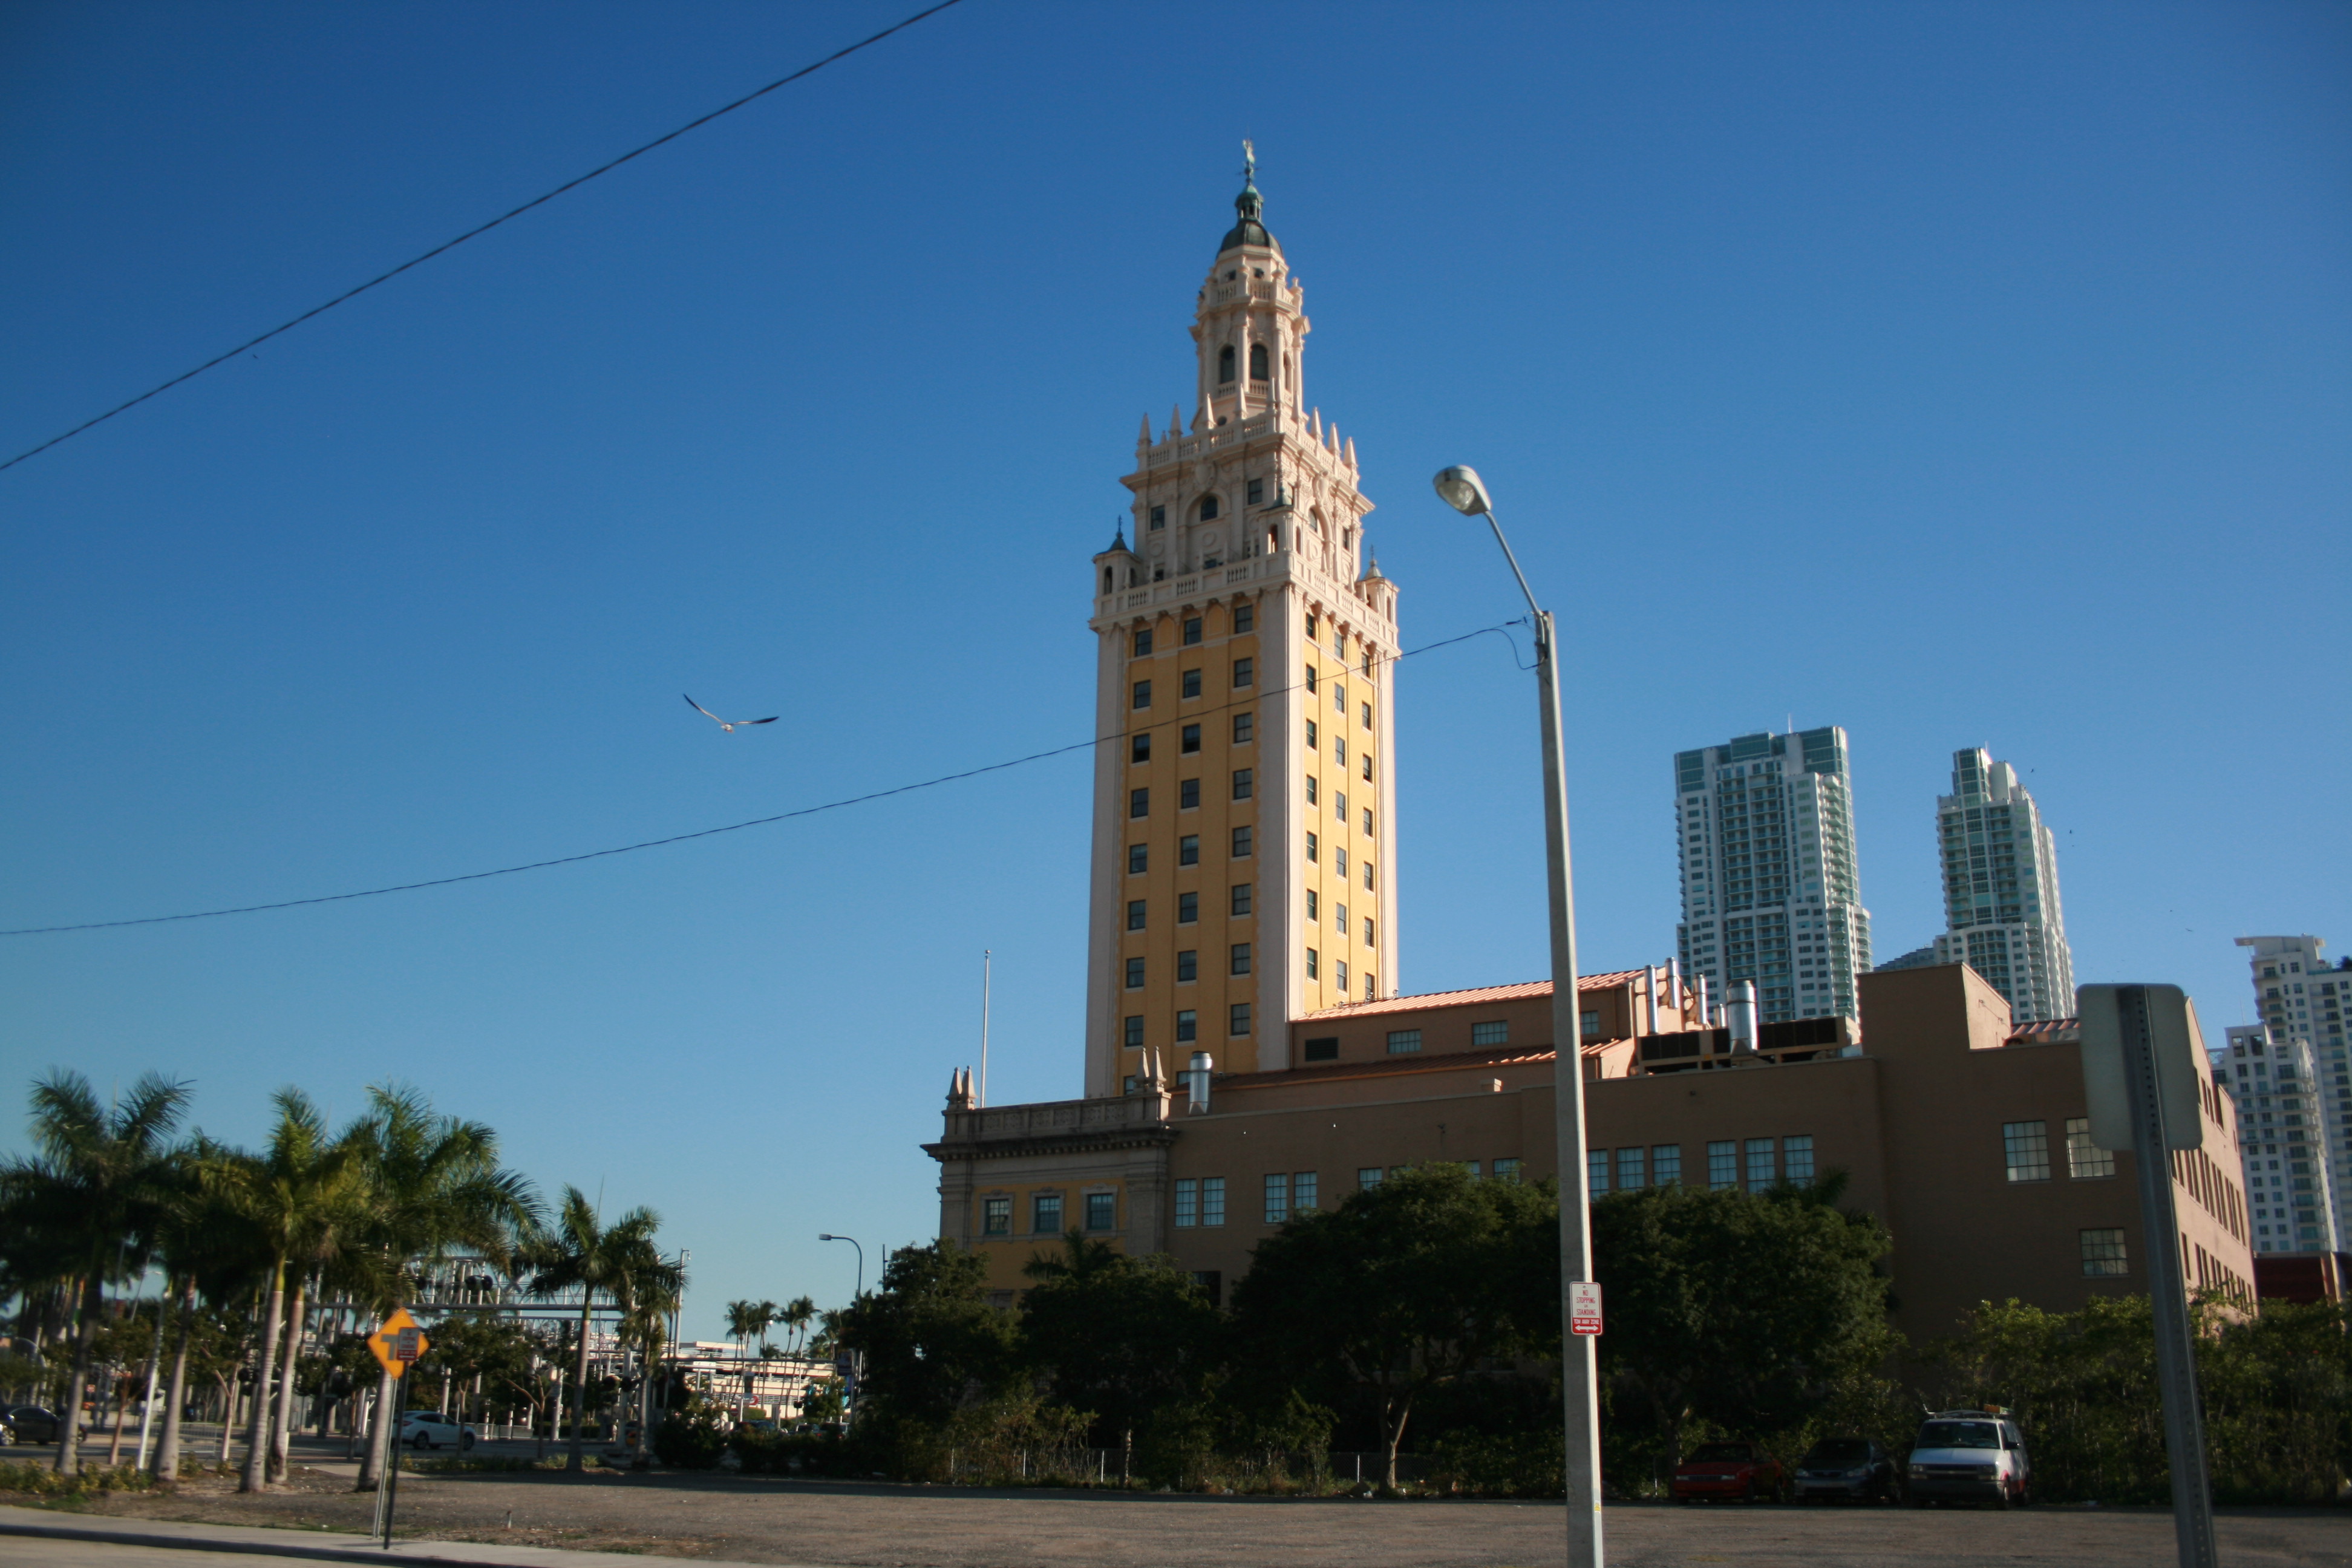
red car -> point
(1738, 1471)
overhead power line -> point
(713, 832)
(354, 293)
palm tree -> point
(797, 1315)
(301, 1196)
(435, 1190)
(73, 1212)
(619, 1262)
(207, 1248)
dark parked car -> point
(27, 1423)
(1847, 1467)
(1738, 1470)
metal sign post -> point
(398, 1344)
(2150, 1033)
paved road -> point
(879, 1526)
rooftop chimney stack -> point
(1739, 1013)
(1706, 1010)
(1198, 1079)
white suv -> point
(1969, 1456)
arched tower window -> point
(1226, 365)
(1106, 583)
(1208, 508)
(1257, 361)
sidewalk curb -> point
(342, 1549)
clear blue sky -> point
(1959, 374)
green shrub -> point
(36, 1478)
(689, 1441)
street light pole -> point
(849, 1406)
(1579, 1383)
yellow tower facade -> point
(1243, 865)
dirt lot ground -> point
(882, 1526)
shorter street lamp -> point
(861, 1291)
(1461, 490)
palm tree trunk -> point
(256, 1478)
(227, 1380)
(167, 1446)
(69, 1417)
(580, 1381)
(290, 1372)
(371, 1462)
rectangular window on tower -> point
(1238, 1022)
(1188, 1025)
(1139, 747)
(1143, 644)
(1257, 492)
(1188, 909)
(1142, 694)
(1192, 683)
(1311, 678)
(1244, 729)
(1242, 784)
(1241, 958)
(1188, 965)
(1188, 794)
(1187, 740)
(1244, 618)
(1241, 843)
(1241, 899)
(1135, 914)
(1368, 723)
(1135, 1032)
(1192, 630)
(1314, 848)
(1310, 789)
(1312, 961)
(1134, 973)
(1139, 858)
(1187, 849)
(1310, 735)
(1339, 918)
(1139, 802)
(1244, 673)
(1311, 901)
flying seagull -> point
(730, 725)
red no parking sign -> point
(1584, 1308)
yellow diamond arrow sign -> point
(399, 1342)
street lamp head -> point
(824, 1239)
(1461, 488)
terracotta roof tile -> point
(1472, 998)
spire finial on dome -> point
(1249, 209)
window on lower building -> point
(1368, 773)
(1139, 802)
(1314, 848)
(2083, 1158)
(1244, 669)
(1213, 1200)
(1370, 940)
(1143, 639)
(1242, 783)
(1238, 1022)
(1339, 973)
(1508, 1169)
(1139, 747)
(1142, 694)
(1401, 1041)
(1192, 683)
(1339, 918)
(1139, 860)
(1187, 1203)
(1102, 1211)
(1367, 724)
(1797, 1158)
(1241, 899)
(1134, 973)
(1338, 852)
(1310, 735)
(1244, 729)
(1188, 1025)
(1190, 738)
(1371, 990)
(1496, 1033)
(1045, 1214)
(1135, 1031)
(1722, 1164)
(1188, 965)
(2102, 1253)
(1666, 1164)
(1313, 902)
(1241, 843)
(1244, 618)
(1322, 1050)
(1277, 1198)
(1241, 958)
(1302, 1192)
(1591, 1023)
(1187, 849)
(1630, 1173)
(1188, 909)
(1369, 1177)
(1596, 1172)
(1313, 962)
(1192, 623)
(1188, 794)
(996, 1217)
(1135, 914)
(2027, 1147)
(1368, 865)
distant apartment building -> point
(1764, 826)
(1917, 958)
(2301, 1002)
(2001, 914)
(2290, 1189)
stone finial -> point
(960, 1089)
(1143, 436)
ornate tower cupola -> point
(1244, 841)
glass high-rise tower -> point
(1764, 826)
(2293, 1085)
(2001, 914)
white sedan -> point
(423, 1429)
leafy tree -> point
(91, 1196)
(931, 1343)
(619, 1263)
(1405, 1287)
(1750, 1311)
(1120, 1338)
(797, 1315)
